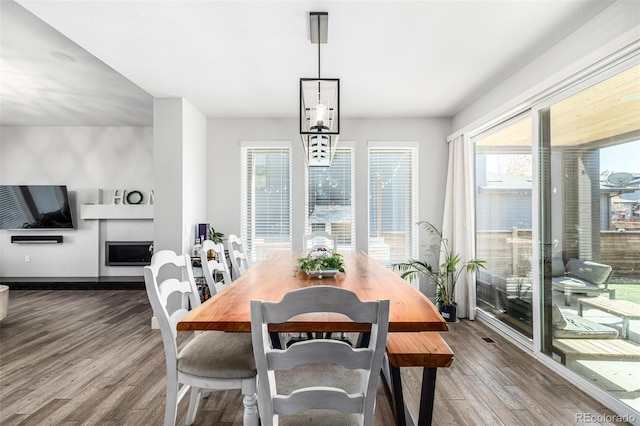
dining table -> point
(271, 278)
(268, 280)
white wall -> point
(195, 172)
(225, 135)
(85, 159)
(180, 170)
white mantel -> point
(116, 211)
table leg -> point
(427, 396)
(275, 340)
(363, 340)
(398, 398)
(625, 327)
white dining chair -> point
(215, 270)
(317, 239)
(237, 256)
(211, 360)
(320, 379)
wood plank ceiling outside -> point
(608, 109)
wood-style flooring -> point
(73, 357)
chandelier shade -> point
(320, 149)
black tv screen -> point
(35, 207)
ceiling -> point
(86, 63)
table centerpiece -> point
(321, 262)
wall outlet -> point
(27, 258)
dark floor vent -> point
(488, 339)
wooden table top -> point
(270, 279)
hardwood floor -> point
(72, 357)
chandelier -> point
(319, 104)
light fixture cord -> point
(318, 16)
(318, 47)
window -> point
(266, 198)
(330, 198)
(393, 172)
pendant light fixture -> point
(319, 104)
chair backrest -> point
(318, 239)
(215, 271)
(237, 255)
(595, 273)
(327, 353)
(172, 293)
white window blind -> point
(330, 198)
(266, 198)
(393, 234)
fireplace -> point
(127, 253)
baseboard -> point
(74, 283)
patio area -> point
(619, 378)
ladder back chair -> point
(211, 360)
(319, 379)
(237, 255)
(318, 239)
(215, 270)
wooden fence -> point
(509, 253)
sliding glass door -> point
(590, 231)
(504, 222)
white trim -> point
(623, 46)
(392, 144)
(588, 80)
(347, 144)
(536, 240)
(265, 144)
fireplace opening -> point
(127, 253)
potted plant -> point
(445, 275)
(214, 236)
(320, 262)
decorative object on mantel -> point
(319, 104)
(134, 197)
(131, 196)
(445, 275)
(320, 263)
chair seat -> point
(573, 283)
(216, 354)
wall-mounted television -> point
(35, 207)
